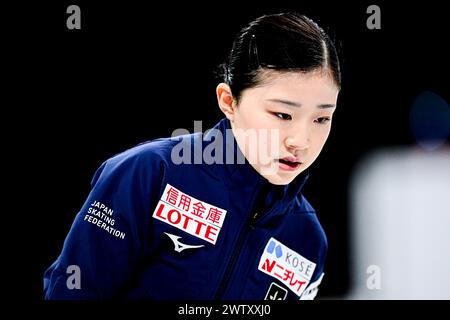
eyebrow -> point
(296, 104)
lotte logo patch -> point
(189, 214)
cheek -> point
(319, 139)
(255, 117)
(255, 121)
(268, 140)
(273, 141)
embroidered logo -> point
(179, 246)
(276, 292)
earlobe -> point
(225, 100)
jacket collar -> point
(241, 176)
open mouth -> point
(290, 164)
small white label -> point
(286, 265)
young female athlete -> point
(218, 215)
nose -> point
(298, 138)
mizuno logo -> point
(180, 246)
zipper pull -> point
(255, 217)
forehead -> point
(299, 86)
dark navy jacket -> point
(132, 238)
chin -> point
(278, 180)
(276, 176)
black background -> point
(137, 71)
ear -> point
(226, 100)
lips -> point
(290, 159)
(289, 163)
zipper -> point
(253, 220)
(249, 225)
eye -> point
(322, 120)
(282, 116)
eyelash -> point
(321, 120)
(277, 114)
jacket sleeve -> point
(107, 237)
